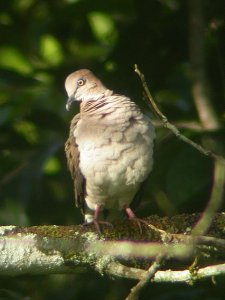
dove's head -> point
(82, 85)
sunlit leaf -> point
(103, 27)
(28, 130)
(13, 59)
(23, 5)
(52, 166)
(51, 50)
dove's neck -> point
(105, 105)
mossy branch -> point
(120, 251)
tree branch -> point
(68, 249)
(185, 276)
(149, 275)
(170, 126)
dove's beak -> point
(70, 100)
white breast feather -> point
(115, 156)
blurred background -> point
(180, 47)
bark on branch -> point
(121, 251)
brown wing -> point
(72, 155)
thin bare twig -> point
(170, 126)
(185, 276)
(13, 173)
(192, 125)
(135, 291)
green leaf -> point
(103, 27)
(13, 59)
(51, 50)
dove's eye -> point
(80, 82)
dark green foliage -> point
(43, 41)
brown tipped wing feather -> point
(72, 155)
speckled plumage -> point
(110, 146)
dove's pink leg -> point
(95, 221)
(133, 217)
